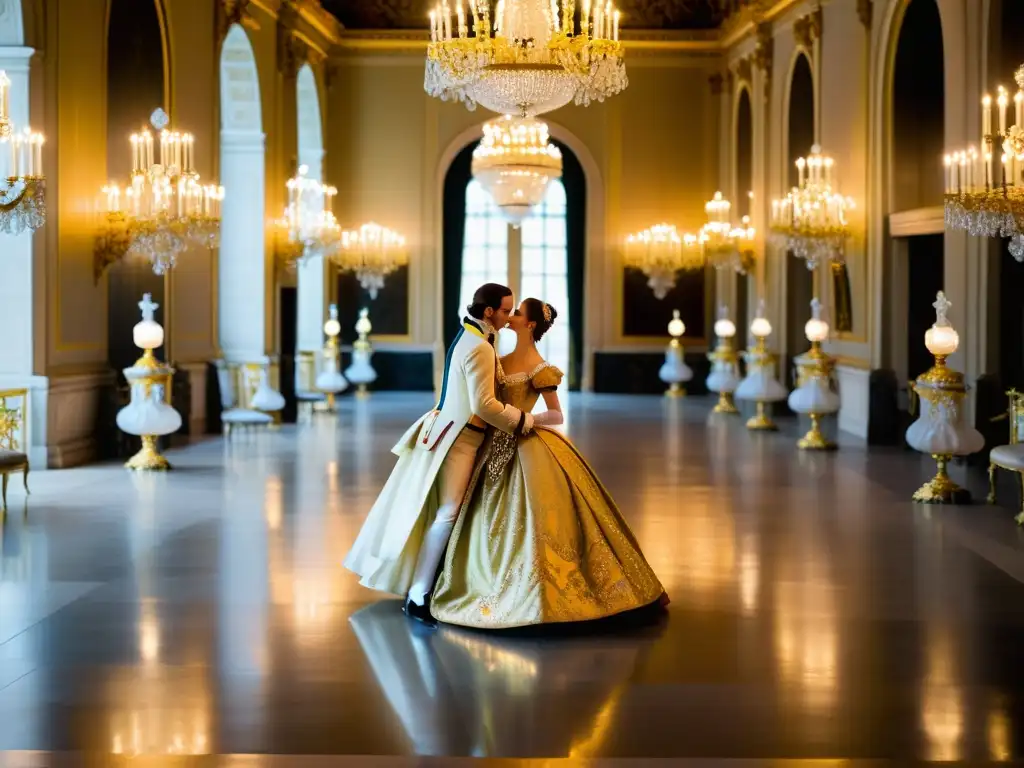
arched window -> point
(532, 261)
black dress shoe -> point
(420, 613)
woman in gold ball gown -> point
(539, 539)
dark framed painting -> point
(645, 315)
(389, 312)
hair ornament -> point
(547, 313)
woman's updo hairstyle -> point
(542, 315)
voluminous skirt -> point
(539, 541)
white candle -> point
(615, 34)
(433, 26)
(1018, 101)
(585, 18)
(1003, 102)
(5, 95)
(947, 161)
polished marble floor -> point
(816, 613)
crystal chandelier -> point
(811, 220)
(537, 57)
(514, 162)
(726, 246)
(372, 252)
(308, 228)
(23, 191)
(983, 197)
(660, 252)
(165, 209)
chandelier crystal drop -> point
(660, 252)
(23, 189)
(536, 56)
(812, 219)
(984, 190)
(371, 252)
(515, 163)
(308, 228)
(165, 209)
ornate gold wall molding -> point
(865, 12)
(231, 12)
(807, 29)
(745, 70)
(764, 54)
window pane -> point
(485, 250)
(533, 260)
(533, 231)
(555, 232)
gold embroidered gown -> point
(539, 539)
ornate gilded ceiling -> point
(638, 14)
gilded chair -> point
(13, 439)
(1010, 457)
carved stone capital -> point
(292, 52)
(807, 29)
(745, 69)
(864, 12)
(764, 54)
(231, 12)
(717, 83)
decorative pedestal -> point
(265, 398)
(674, 371)
(760, 385)
(814, 396)
(148, 415)
(330, 381)
(361, 372)
(724, 377)
(939, 429)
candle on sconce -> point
(462, 18)
(433, 26)
(615, 34)
(1003, 102)
(5, 95)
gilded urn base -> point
(815, 440)
(761, 421)
(941, 489)
(148, 459)
(725, 403)
(676, 390)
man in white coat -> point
(406, 533)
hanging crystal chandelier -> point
(811, 220)
(23, 190)
(982, 196)
(165, 209)
(660, 252)
(372, 252)
(308, 228)
(514, 162)
(726, 246)
(537, 57)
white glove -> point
(528, 424)
(549, 418)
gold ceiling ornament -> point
(165, 209)
(660, 252)
(726, 246)
(985, 189)
(308, 228)
(536, 56)
(515, 163)
(811, 221)
(23, 188)
(371, 252)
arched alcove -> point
(310, 276)
(917, 112)
(242, 267)
(800, 137)
(136, 85)
(549, 250)
(744, 190)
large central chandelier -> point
(983, 196)
(726, 246)
(811, 220)
(660, 252)
(515, 162)
(165, 209)
(23, 190)
(536, 57)
(308, 228)
(372, 252)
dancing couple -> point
(490, 518)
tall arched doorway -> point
(136, 85)
(543, 259)
(744, 199)
(917, 110)
(242, 274)
(311, 275)
(799, 140)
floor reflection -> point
(460, 692)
